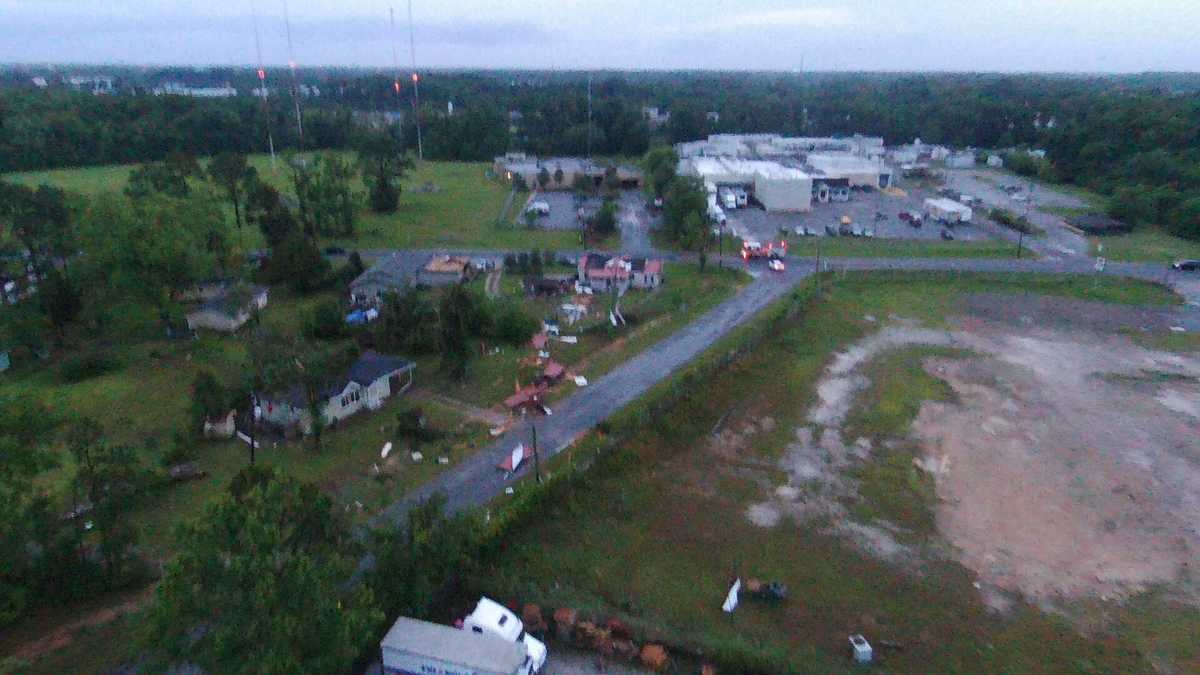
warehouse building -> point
(778, 188)
(777, 147)
(529, 167)
(859, 172)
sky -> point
(889, 35)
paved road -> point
(476, 481)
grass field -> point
(465, 210)
(1145, 244)
(655, 539)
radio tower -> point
(395, 61)
(287, 22)
(412, 47)
(262, 83)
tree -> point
(265, 208)
(111, 478)
(246, 565)
(326, 199)
(210, 400)
(558, 176)
(658, 166)
(169, 177)
(297, 263)
(408, 322)
(604, 222)
(145, 253)
(327, 321)
(543, 177)
(60, 299)
(697, 236)
(40, 220)
(684, 196)
(581, 184)
(460, 319)
(383, 162)
(230, 172)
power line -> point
(412, 47)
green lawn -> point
(463, 209)
(1145, 244)
(653, 539)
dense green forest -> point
(1136, 138)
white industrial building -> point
(857, 171)
(778, 188)
(775, 146)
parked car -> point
(869, 233)
(776, 265)
(831, 230)
(947, 235)
(1186, 265)
(539, 207)
(805, 231)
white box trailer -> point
(947, 210)
(415, 647)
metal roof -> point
(463, 648)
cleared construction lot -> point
(978, 473)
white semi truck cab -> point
(490, 617)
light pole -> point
(537, 464)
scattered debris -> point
(654, 657)
(508, 490)
(731, 598)
(387, 447)
(443, 460)
(185, 472)
(581, 381)
(860, 648)
(417, 456)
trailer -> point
(948, 211)
(414, 647)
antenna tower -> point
(287, 21)
(412, 47)
(262, 83)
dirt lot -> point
(1066, 469)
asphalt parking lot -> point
(564, 214)
(754, 223)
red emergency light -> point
(396, 85)
(262, 74)
(415, 77)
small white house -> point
(367, 385)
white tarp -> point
(731, 599)
(518, 455)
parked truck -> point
(492, 618)
(415, 647)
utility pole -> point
(262, 83)
(412, 48)
(537, 463)
(589, 103)
(287, 22)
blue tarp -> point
(356, 318)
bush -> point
(86, 366)
(511, 324)
(1013, 222)
(326, 322)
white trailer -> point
(947, 211)
(413, 646)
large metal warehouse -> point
(778, 188)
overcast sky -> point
(994, 35)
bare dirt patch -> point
(1063, 471)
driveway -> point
(635, 223)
